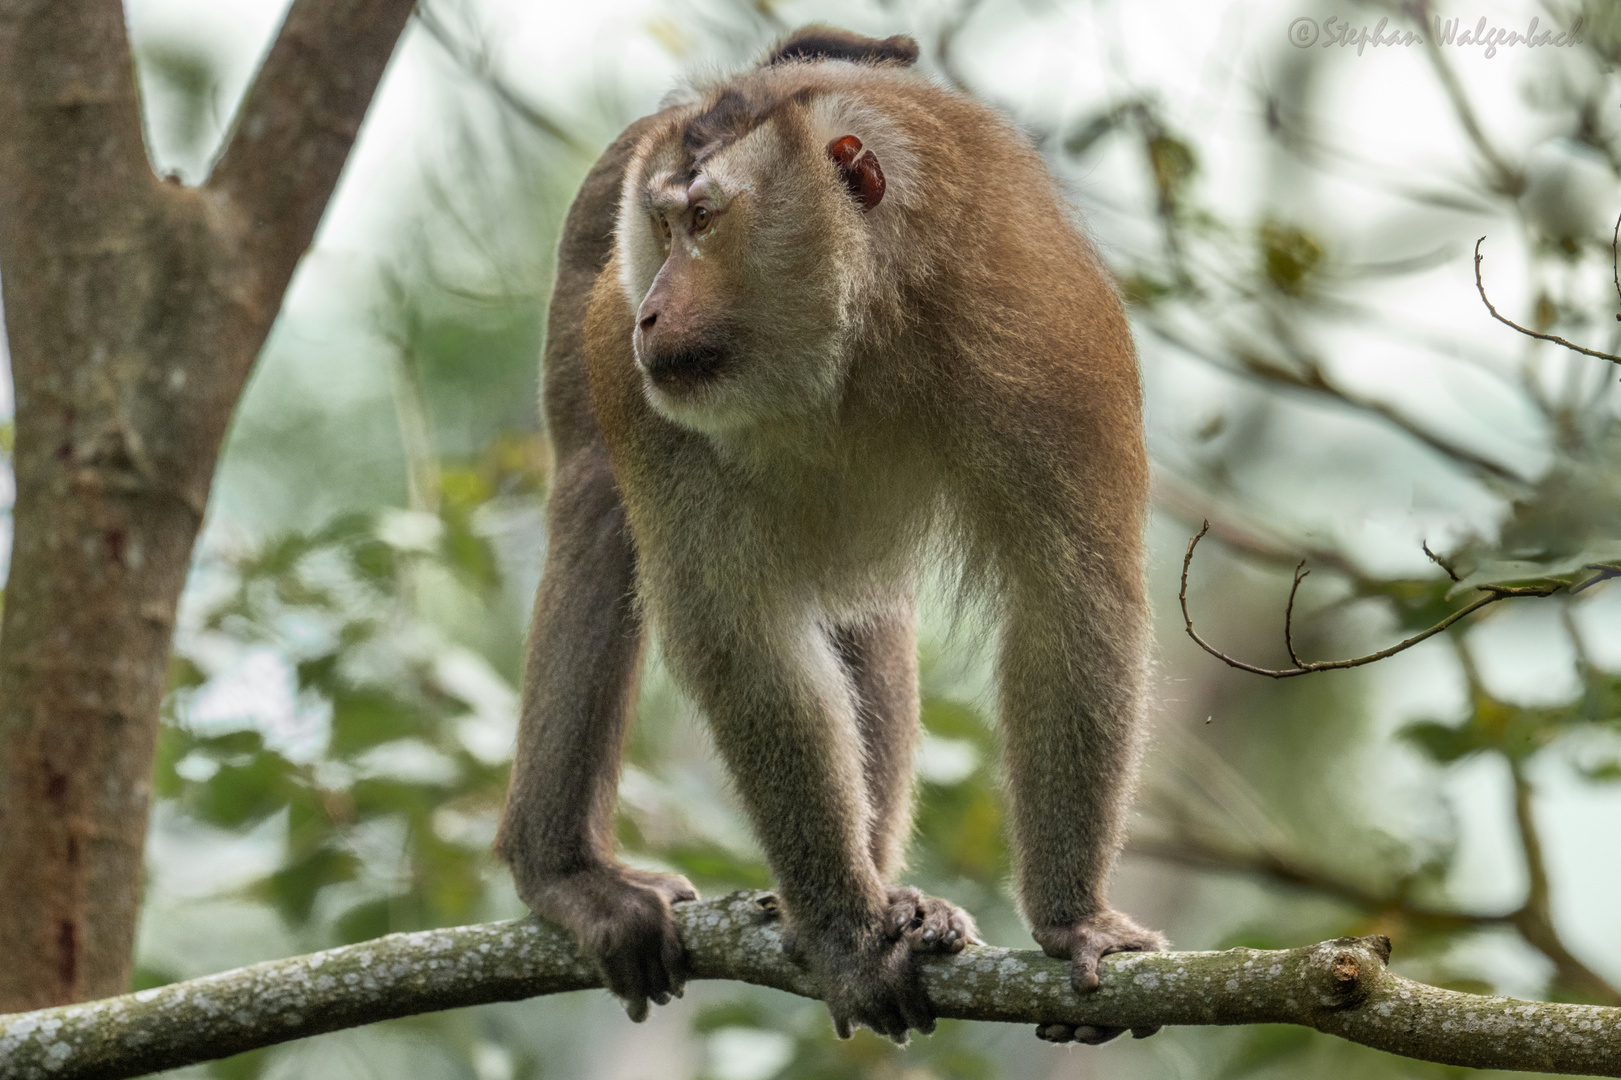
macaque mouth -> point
(685, 369)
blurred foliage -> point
(395, 751)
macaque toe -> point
(675, 888)
(1084, 944)
(929, 924)
(623, 923)
(868, 979)
(1089, 1034)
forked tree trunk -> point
(135, 308)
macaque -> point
(821, 330)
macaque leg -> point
(880, 655)
(1073, 668)
(579, 685)
(783, 711)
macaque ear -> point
(860, 170)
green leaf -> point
(242, 795)
(1441, 742)
(377, 795)
(1289, 257)
(292, 889)
(1174, 163)
(362, 719)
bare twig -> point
(1615, 260)
(1480, 285)
(1341, 987)
(1289, 613)
(1438, 561)
(1494, 593)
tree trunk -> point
(135, 308)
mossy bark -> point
(1341, 987)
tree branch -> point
(293, 133)
(1480, 285)
(1341, 987)
(1493, 594)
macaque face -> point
(735, 268)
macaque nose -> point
(648, 314)
(652, 333)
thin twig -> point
(1494, 593)
(1289, 614)
(1555, 338)
(1438, 561)
(1615, 260)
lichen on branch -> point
(1341, 987)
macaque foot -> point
(1084, 944)
(929, 924)
(866, 977)
(622, 920)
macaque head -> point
(745, 240)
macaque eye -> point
(664, 228)
(700, 218)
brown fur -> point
(805, 405)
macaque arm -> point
(584, 648)
(586, 637)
